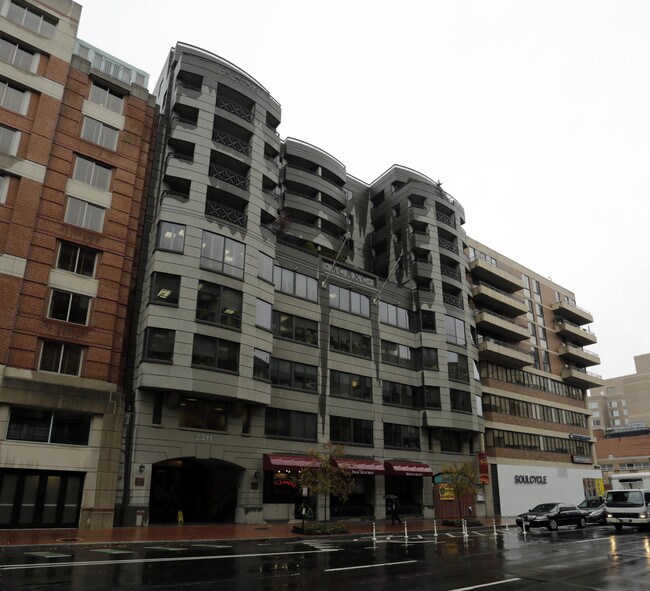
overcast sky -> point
(534, 115)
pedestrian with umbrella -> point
(393, 508)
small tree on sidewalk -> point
(461, 478)
(324, 477)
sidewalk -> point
(189, 533)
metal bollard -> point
(506, 520)
(406, 533)
(435, 530)
(494, 527)
(374, 533)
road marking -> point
(331, 570)
(486, 585)
(111, 551)
(165, 548)
(48, 554)
(150, 560)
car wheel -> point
(552, 524)
(582, 523)
(618, 527)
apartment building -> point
(75, 131)
(531, 337)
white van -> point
(628, 503)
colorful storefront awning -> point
(403, 468)
(285, 462)
(360, 466)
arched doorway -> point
(204, 490)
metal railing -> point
(448, 245)
(230, 141)
(228, 176)
(223, 212)
(453, 300)
(560, 320)
(510, 320)
(445, 219)
(484, 339)
(235, 108)
(500, 291)
(567, 303)
(450, 272)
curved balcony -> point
(574, 333)
(503, 353)
(572, 312)
(419, 240)
(578, 355)
(502, 326)
(228, 176)
(421, 269)
(500, 301)
(317, 183)
(313, 154)
(232, 142)
(495, 275)
(316, 208)
(315, 235)
(581, 377)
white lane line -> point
(149, 560)
(331, 570)
(486, 585)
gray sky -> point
(534, 115)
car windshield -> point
(544, 508)
(589, 503)
(624, 498)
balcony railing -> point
(499, 291)
(235, 108)
(223, 212)
(446, 219)
(484, 339)
(230, 141)
(505, 318)
(228, 176)
(448, 245)
(453, 300)
(450, 272)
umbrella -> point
(390, 496)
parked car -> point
(594, 510)
(552, 516)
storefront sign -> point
(483, 468)
(529, 479)
(446, 492)
(348, 274)
(582, 459)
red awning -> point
(400, 468)
(360, 466)
(285, 462)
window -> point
(455, 330)
(460, 401)
(290, 424)
(157, 410)
(85, 215)
(263, 313)
(397, 354)
(403, 436)
(349, 301)
(451, 442)
(76, 259)
(399, 394)
(222, 255)
(25, 16)
(62, 358)
(394, 315)
(171, 236)
(219, 304)
(9, 139)
(194, 413)
(4, 187)
(457, 367)
(99, 133)
(261, 365)
(295, 328)
(159, 344)
(212, 353)
(349, 385)
(290, 374)
(347, 341)
(12, 98)
(265, 267)
(165, 289)
(426, 358)
(348, 430)
(296, 284)
(31, 424)
(104, 97)
(428, 320)
(431, 396)
(69, 307)
(15, 55)
(92, 173)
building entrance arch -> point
(202, 490)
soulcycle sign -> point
(529, 479)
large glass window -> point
(15, 55)
(105, 97)
(32, 20)
(263, 313)
(223, 255)
(347, 341)
(165, 289)
(295, 283)
(457, 367)
(290, 374)
(290, 424)
(195, 413)
(76, 259)
(9, 139)
(460, 401)
(31, 424)
(399, 394)
(349, 301)
(212, 353)
(397, 354)
(171, 236)
(394, 315)
(265, 267)
(12, 98)
(99, 133)
(69, 307)
(455, 330)
(92, 173)
(403, 436)
(348, 430)
(451, 442)
(85, 215)
(295, 328)
(219, 304)
(159, 344)
(348, 385)
(426, 358)
(261, 364)
(62, 358)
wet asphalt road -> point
(570, 559)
